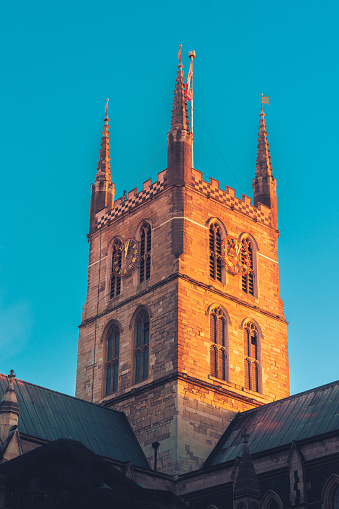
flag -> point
(188, 89)
(265, 99)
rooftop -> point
(49, 415)
(296, 418)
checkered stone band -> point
(233, 202)
(261, 216)
(129, 204)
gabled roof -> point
(299, 417)
(67, 474)
(49, 415)
(62, 463)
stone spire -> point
(264, 183)
(246, 488)
(102, 191)
(179, 111)
(179, 138)
(104, 164)
(9, 409)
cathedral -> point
(182, 391)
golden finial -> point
(191, 53)
(265, 99)
(106, 107)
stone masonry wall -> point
(181, 405)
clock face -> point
(236, 256)
(125, 258)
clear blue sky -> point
(60, 60)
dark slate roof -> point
(64, 463)
(64, 473)
(49, 415)
(302, 416)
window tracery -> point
(218, 348)
(115, 289)
(335, 499)
(141, 352)
(251, 348)
(112, 359)
(271, 500)
(248, 280)
(215, 252)
(145, 252)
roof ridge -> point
(335, 382)
(247, 413)
(68, 395)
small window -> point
(218, 348)
(215, 252)
(251, 338)
(112, 359)
(115, 280)
(141, 352)
(247, 283)
(145, 252)
(335, 501)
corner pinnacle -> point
(104, 164)
(263, 166)
(179, 112)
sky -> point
(61, 60)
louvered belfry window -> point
(247, 283)
(215, 252)
(145, 252)
(115, 280)
(251, 357)
(141, 352)
(112, 359)
(218, 336)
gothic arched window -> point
(335, 500)
(145, 252)
(112, 359)
(141, 352)
(218, 348)
(215, 252)
(115, 280)
(273, 504)
(251, 348)
(248, 280)
(271, 500)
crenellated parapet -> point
(211, 189)
(134, 199)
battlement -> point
(211, 189)
(149, 190)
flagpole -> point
(191, 55)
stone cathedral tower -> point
(171, 336)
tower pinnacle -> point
(104, 164)
(246, 487)
(263, 167)
(264, 183)
(9, 410)
(179, 138)
(179, 111)
(102, 191)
